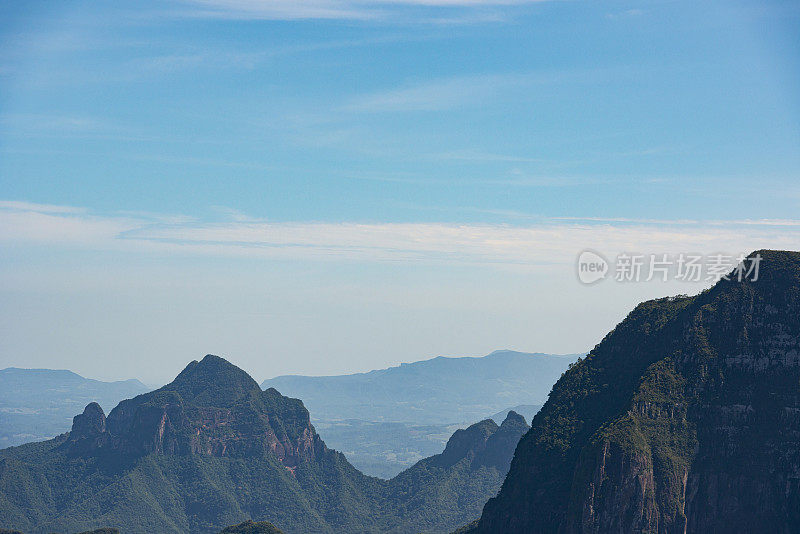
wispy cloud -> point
(625, 14)
(37, 122)
(18, 205)
(459, 91)
(544, 242)
(483, 156)
(434, 96)
(331, 9)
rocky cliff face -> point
(686, 418)
(212, 408)
(211, 449)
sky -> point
(334, 186)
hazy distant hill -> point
(384, 449)
(37, 404)
(437, 391)
(386, 420)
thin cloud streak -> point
(544, 243)
(331, 9)
(459, 91)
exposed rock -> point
(212, 408)
(684, 419)
(211, 449)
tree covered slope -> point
(685, 418)
(212, 449)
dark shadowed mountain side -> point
(38, 404)
(252, 527)
(212, 449)
(437, 391)
(685, 418)
(472, 467)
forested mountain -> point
(212, 449)
(38, 404)
(685, 418)
(252, 527)
(398, 430)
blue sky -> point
(339, 185)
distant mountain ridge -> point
(441, 390)
(212, 449)
(38, 404)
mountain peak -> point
(675, 419)
(88, 429)
(500, 445)
(467, 442)
(513, 419)
(213, 381)
(776, 266)
(91, 421)
(212, 408)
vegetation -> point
(252, 527)
(686, 390)
(212, 449)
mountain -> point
(436, 391)
(212, 449)
(528, 411)
(38, 404)
(469, 471)
(385, 420)
(685, 418)
(384, 449)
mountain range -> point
(436, 391)
(685, 418)
(212, 449)
(38, 404)
(387, 419)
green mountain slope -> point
(212, 449)
(683, 419)
(251, 527)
